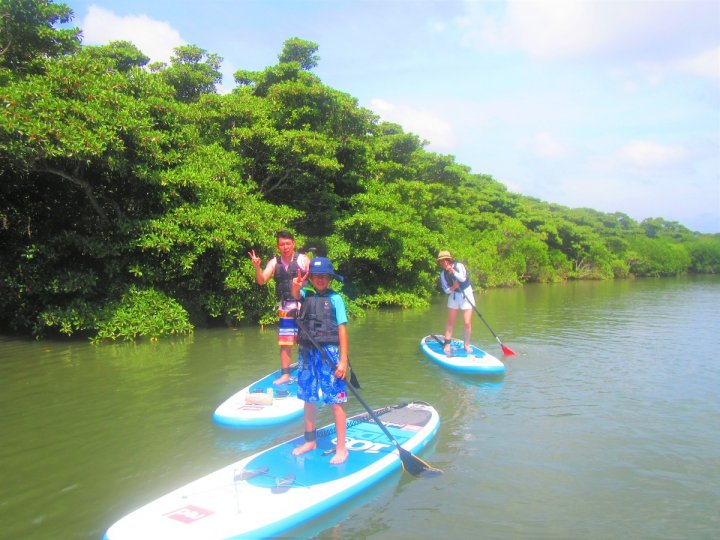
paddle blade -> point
(507, 351)
(353, 379)
(416, 466)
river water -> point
(606, 424)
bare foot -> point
(339, 457)
(468, 349)
(285, 377)
(447, 350)
(307, 447)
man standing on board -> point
(283, 268)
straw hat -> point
(444, 255)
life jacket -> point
(450, 277)
(318, 320)
(283, 277)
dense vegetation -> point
(131, 193)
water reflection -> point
(605, 424)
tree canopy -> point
(131, 193)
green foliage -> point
(661, 228)
(382, 247)
(138, 313)
(192, 72)
(130, 195)
(27, 34)
(143, 313)
(655, 257)
(705, 254)
(392, 298)
(198, 244)
(300, 51)
(122, 55)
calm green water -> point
(606, 425)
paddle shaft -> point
(367, 407)
(410, 461)
(506, 350)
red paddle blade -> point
(507, 351)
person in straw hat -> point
(455, 282)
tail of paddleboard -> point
(273, 491)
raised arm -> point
(262, 276)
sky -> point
(612, 104)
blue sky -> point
(612, 104)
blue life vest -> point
(450, 277)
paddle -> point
(440, 341)
(507, 351)
(410, 463)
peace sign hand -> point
(299, 281)
(254, 258)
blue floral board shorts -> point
(316, 378)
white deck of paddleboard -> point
(236, 412)
(225, 505)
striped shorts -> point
(288, 329)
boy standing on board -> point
(283, 269)
(321, 374)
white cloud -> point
(556, 28)
(629, 31)
(547, 145)
(649, 155)
(156, 39)
(426, 124)
(704, 64)
(438, 26)
(543, 28)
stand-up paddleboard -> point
(478, 362)
(271, 492)
(261, 403)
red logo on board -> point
(189, 514)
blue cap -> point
(323, 265)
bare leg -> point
(310, 412)
(285, 357)
(341, 452)
(452, 315)
(467, 328)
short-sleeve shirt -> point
(338, 304)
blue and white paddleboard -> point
(273, 491)
(261, 403)
(478, 362)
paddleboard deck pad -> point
(477, 362)
(271, 492)
(261, 403)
